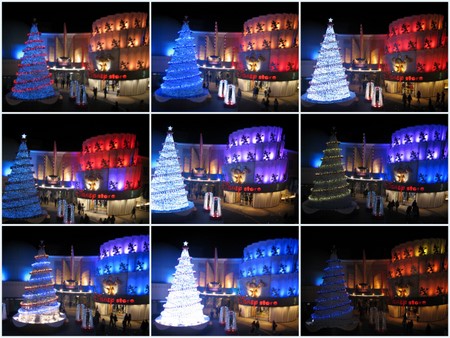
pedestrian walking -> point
(275, 104)
(418, 95)
(409, 100)
(274, 326)
(404, 99)
(105, 91)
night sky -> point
(78, 16)
(69, 131)
(347, 17)
(86, 240)
(350, 241)
(229, 240)
(230, 16)
(216, 128)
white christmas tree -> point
(40, 304)
(329, 82)
(331, 189)
(333, 307)
(20, 197)
(183, 307)
(168, 193)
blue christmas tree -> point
(34, 81)
(40, 303)
(333, 309)
(20, 198)
(183, 78)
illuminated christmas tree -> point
(34, 81)
(329, 82)
(20, 198)
(168, 193)
(183, 307)
(331, 189)
(333, 307)
(183, 78)
(40, 304)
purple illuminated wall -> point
(421, 152)
(259, 153)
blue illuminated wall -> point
(127, 259)
(273, 264)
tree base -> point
(160, 97)
(311, 208)
(344, 102)
(14, 102)
(35, 328)
(193, 330)
(34, 220)
(342, 324)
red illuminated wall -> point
(273, 40)
(421, 267)
(420, 41)
(113, 157)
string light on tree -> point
(333, 309)
(331, 189)
(34, 81)
(329, 82)
(183, 307)
(40, 304)
(20, 198)
(183, 80)
(168, 193)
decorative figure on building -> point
(100, 45)
(422, 251)
(412, 45)
(282, 43)
(124, 65)
(423, 291)
(289, 25)
(108, 27)
(259, 27)
(419, 26)
(254, 289)
(275, 25)
(434, 25)
(123, 24)
(115, 43)
(405, 28)
(420, 67)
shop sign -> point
(425, 301)
(113, 300)
(268, 302)
(94, 196)
(408, 188)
